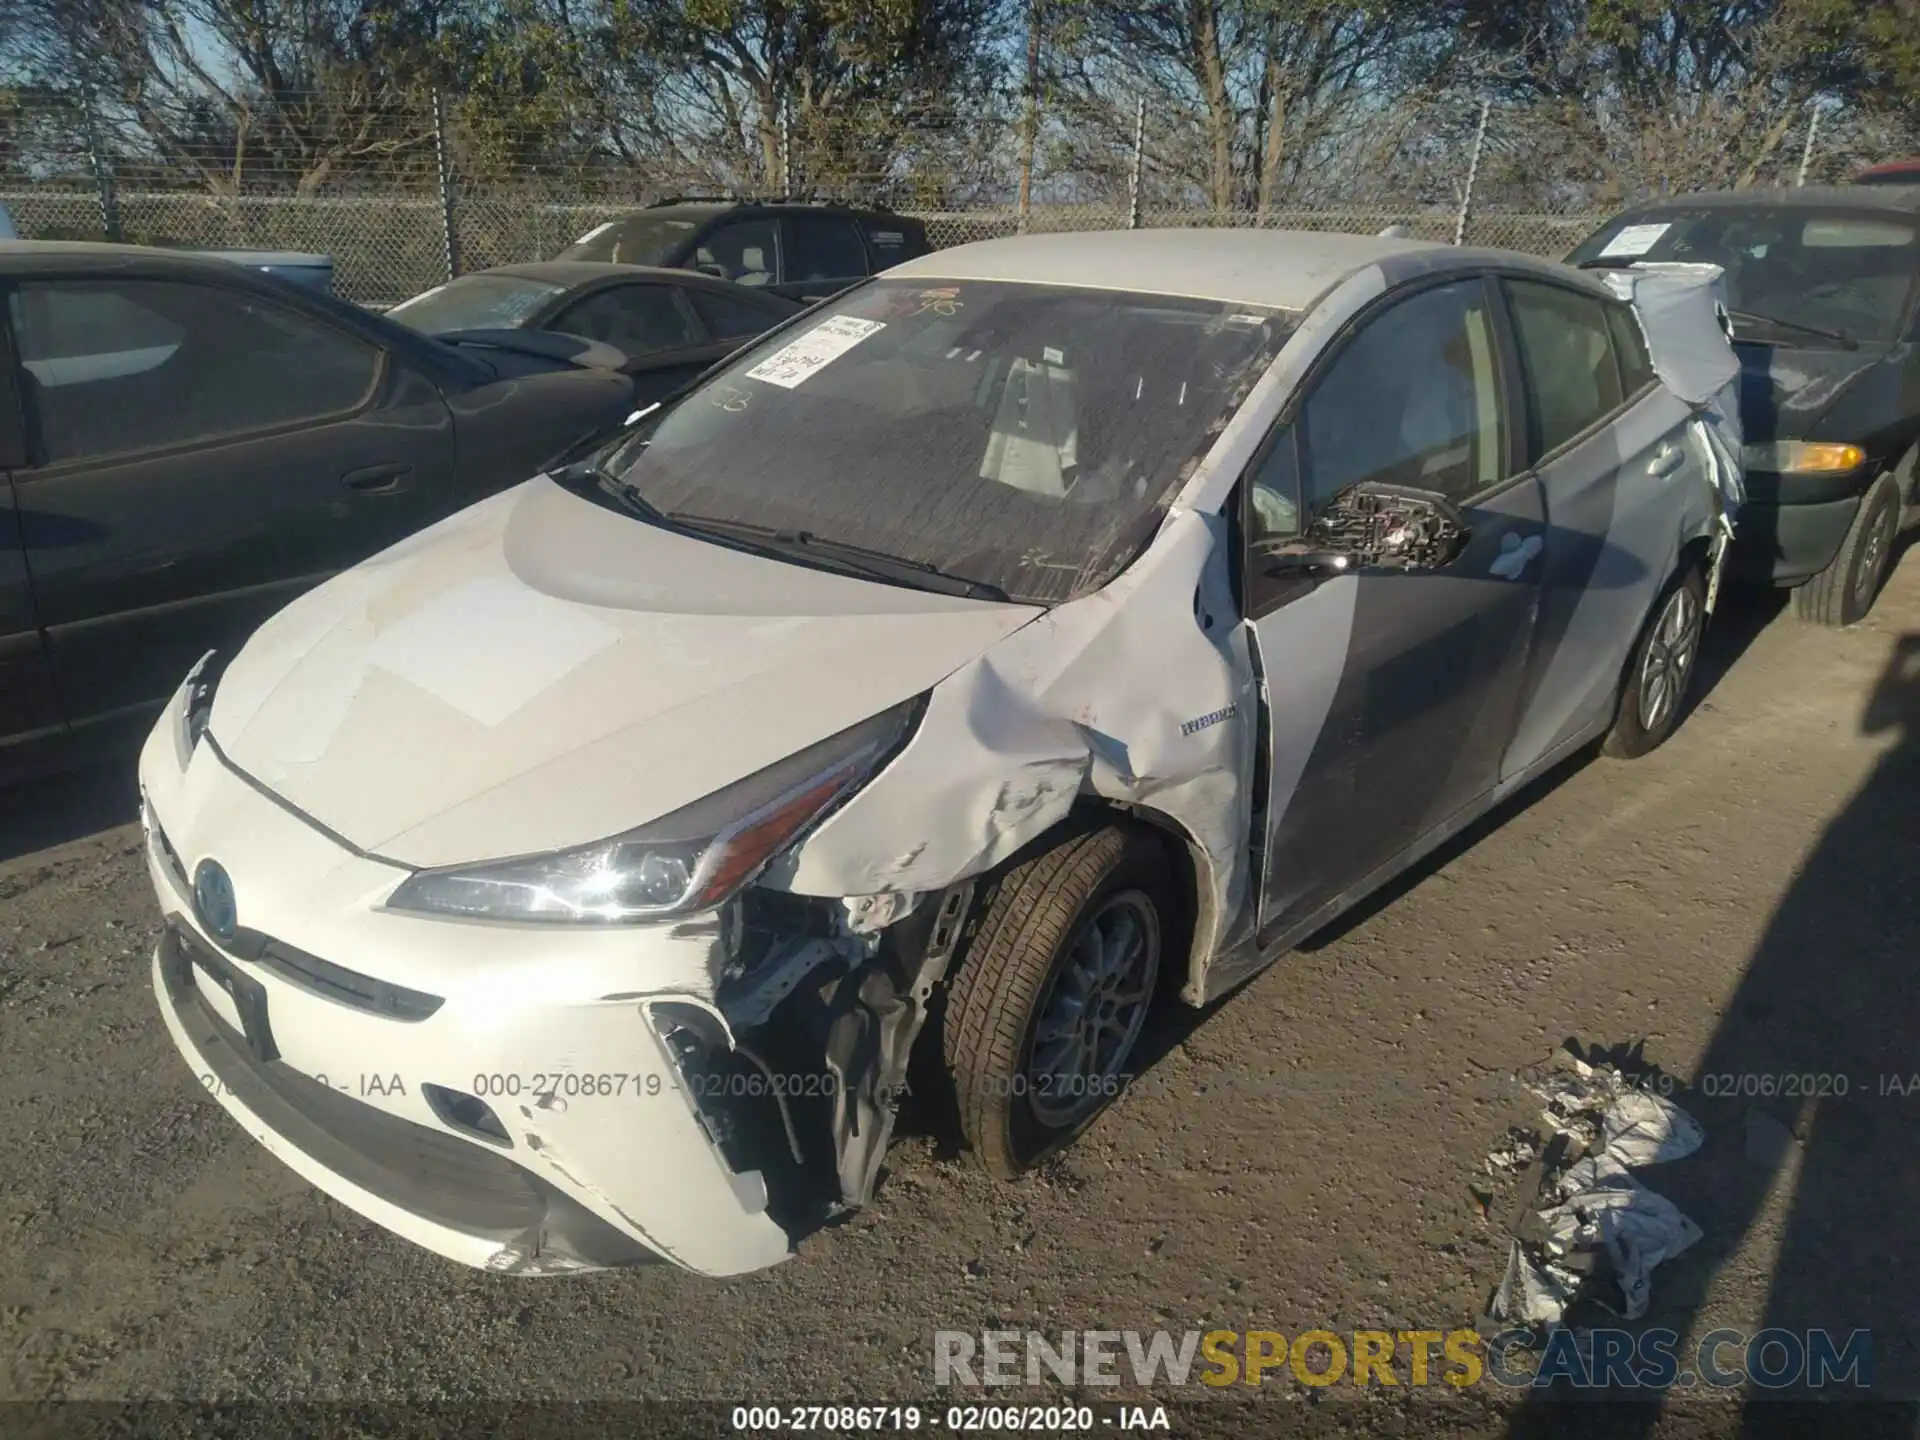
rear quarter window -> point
(893, 241)
(1630, 349)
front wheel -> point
(1661, 670)
(1844, 592)
(1053, 993)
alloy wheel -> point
(1094, 1009)
(1671, 649)
(1876, 546)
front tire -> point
(1661, 670)
(1844, 592)
(1053, 993)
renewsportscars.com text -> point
(1595, 1359)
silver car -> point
(1031, 634)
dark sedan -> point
(1822, 284)
(670, 324)
(185, 445)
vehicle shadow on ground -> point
(53, 810)
(1811, 1082)
(1740, 616)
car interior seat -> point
(1034, 442)
(753, 267)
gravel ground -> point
(1742, 903)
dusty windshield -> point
(1849, 274)
(1024, 437)
(475, 302)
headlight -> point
(196, 704)
(689, 860)
(1802, 457)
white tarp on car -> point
(1683, 312)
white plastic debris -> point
(1606, 1209)
(1516, 1152)
(1644, 1129)
(1531, 1293)
(1598, 1216)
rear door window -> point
(1566, 353)
(823, 247)
(634, 319)
(123, 365)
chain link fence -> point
(386, 248)
(425, 194)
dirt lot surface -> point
(1743, 902)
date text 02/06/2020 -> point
(961, 1419)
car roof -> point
(569, 273)
(66, 251)
(707, 209)
(1801, 197)
(1275, 269)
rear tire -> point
(1053, 993)
(1661, 670)
(1844, 592)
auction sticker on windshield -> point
(792, 363)
(1635, 239)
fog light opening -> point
(468, 1114)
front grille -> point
(346, 987)
(293, 965)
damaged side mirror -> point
(1374, 526)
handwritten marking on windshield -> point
(940, 302)
(1043, 560)
(730, 398)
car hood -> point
(1783, 390)
(539, 671)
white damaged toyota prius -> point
(1046, 630)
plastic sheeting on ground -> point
(1597, 1219)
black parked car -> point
(185, 445)
(1822, 285)
(801, 249)
(670, 324)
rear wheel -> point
(1661, 671)
(1053, 993)
(1844, 592)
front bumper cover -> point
(586, 1149)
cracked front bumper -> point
(498, 1094)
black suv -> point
(802, 249)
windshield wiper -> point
(1750, 317)
(625, 491)
(876, 564)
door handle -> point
(1666, 460)
(377, 479)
